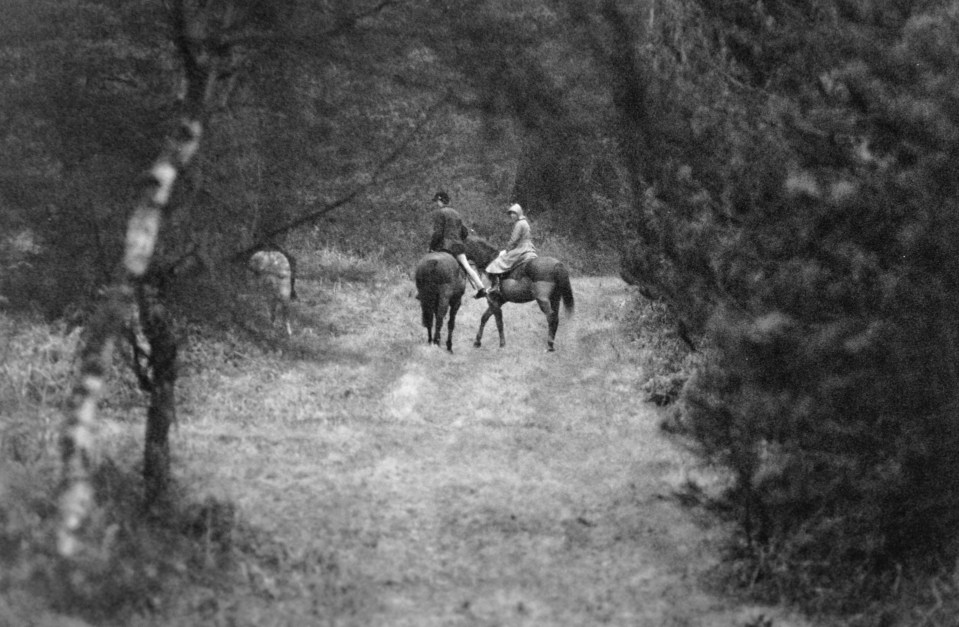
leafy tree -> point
(792, 197)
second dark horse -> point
(440, 284)
(543, 279)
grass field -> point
(352, 475)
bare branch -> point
(253, 38)
(376, 178)
(348, 23)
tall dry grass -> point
(132, 563)
(178, 567)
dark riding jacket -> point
(449, 232)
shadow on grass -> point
(242, 329)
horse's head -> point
(479, 251)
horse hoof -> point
(476, 344)
(550, 350)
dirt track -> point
(487, 487)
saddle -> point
(517, 272)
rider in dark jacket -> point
(449, 233)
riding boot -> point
(481, 292)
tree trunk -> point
(206, 60)
(78, 445)
(157, 328)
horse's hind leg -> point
(498, 316)
(284, 306)
(426, 310)
(279, 310)
(548, 299)
(275, 312)
(285, 313)
(428, 323)
(441, 307)
(551, 311)
(552, 321)
(454, 307)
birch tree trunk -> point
(122, 298)
(78, 451)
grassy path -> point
(487, 487)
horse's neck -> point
(484, 253)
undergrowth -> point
(195, 559)
(835, 584)
(855, 596)
(184, 562)
(668, 361)
(131, 561)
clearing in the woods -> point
(376, 480)
(409, 486)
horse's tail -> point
(427, 310)
(565, 289)
(426, 290)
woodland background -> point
(779, 175)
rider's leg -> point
(471, 273)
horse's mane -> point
(479, 250)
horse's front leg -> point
(483, 320)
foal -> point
(275, 271)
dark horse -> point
(440, 284)
(543, 279)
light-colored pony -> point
(275, 273)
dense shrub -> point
(813, 237)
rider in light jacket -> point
(519, 248)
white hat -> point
(515, 208)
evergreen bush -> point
(814, 238)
